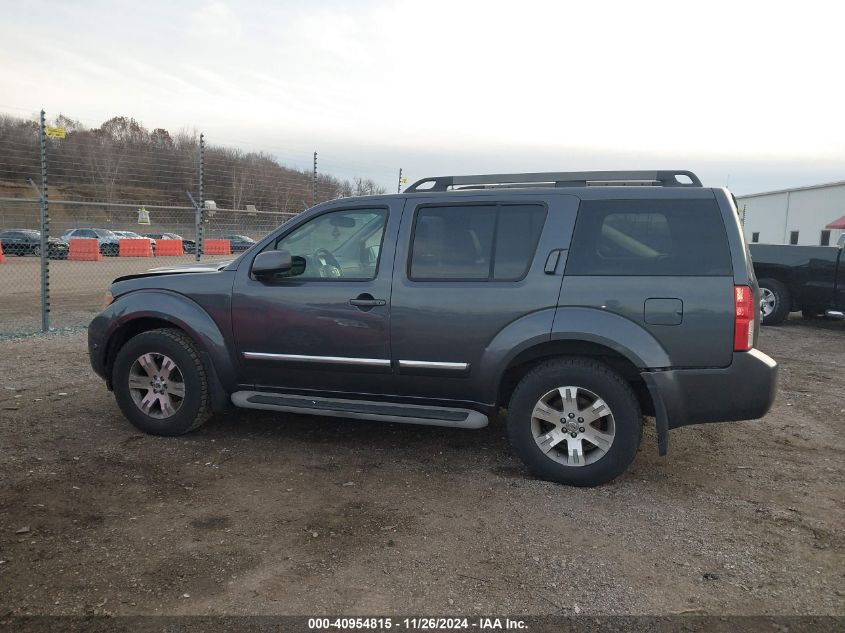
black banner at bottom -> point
(378, 624)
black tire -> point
(602, 381)
(195, 408)
(782, 302)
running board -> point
(361, 409)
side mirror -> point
(270, 263)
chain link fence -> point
(77, 205)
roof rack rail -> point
(660, 178)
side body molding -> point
(183, 313)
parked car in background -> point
(806, 278)
(578, 307)
(109, 242)
(189, 246)
(239, 243)
(28, 242)
(131, 235)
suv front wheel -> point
(160, 383)
(574, 421)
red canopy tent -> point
(837, 224)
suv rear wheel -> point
(575, 421)
(160, 383)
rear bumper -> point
(743, 391)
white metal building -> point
(813, 215)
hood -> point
(210, 267)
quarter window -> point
(649, 237)
(475, 242)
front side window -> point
(475, 242)
(342, 245)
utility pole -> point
(314, 183)
(399, 186)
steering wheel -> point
(328, 264)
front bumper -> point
(96, 346)
(745, 390)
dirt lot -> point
(274, 514)
(76, 288)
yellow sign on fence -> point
(54, 132)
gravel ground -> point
(278, 514)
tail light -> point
(743, 318)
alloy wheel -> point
(156, 385)
(768, 301)
(573, 426)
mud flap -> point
(661, 416)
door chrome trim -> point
(431, 364)
(334, 360)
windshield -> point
(103, 233)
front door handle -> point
(366, 301)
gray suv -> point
(578, 301)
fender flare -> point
(618, 333)
(592, 325)
(178, 310)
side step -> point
(361, 409)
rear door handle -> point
(552, 261)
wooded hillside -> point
(123, 161)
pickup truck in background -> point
(806, 278)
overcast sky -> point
(744, 93)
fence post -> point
(199, 208)
(45, 229)
(314, 183)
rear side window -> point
(649, 237)
(475, 242)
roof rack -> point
(661, 178)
